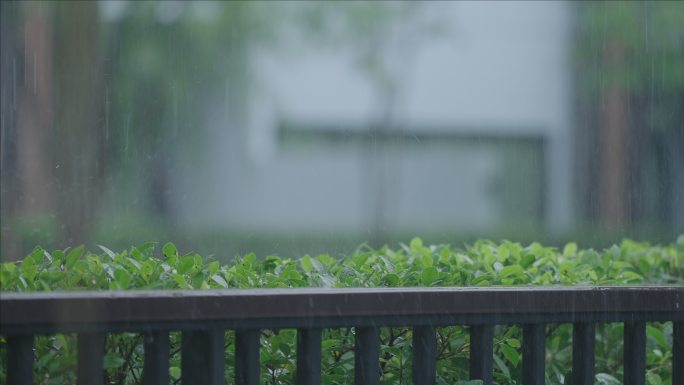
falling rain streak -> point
(300, 127)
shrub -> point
(484, 263)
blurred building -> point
(232, 126)
(468, 130)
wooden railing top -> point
(64, 310)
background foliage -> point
(483, 263)
(146, 82)
(630, 82)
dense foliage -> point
(481, 264)
(629, 63)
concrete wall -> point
(501, 69)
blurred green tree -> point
(631, 90)
(114, 97)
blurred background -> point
(305, 127)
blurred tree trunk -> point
(35, 113)
(79, 135)
(614, 143)
(10, 25)
(27, 174)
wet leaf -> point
(570, 249)
(607, 379)
(112, 361)
(186, 263)
(108, 252)
(653, 378)
(122, 278)
(73, 256)
(511, 354)
(170, 250)
(429, 276)
(219, 280)
(307, 266)
(512, 270)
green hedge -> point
(484, 263)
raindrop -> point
(106, 113)
(35, 73)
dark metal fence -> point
(203, 317)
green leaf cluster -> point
(484, 263)
(643, 40)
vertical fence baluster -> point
(90, 358)
(19, 361)
(583, 346)
(533, 354)
(424, 355)
(634, 358)
(481, 353)
(367, 356)
(247, 357)
(677, 353)
(309, 356)
(156, 369)
(202, 357)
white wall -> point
(502, 67)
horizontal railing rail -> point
(204, 316)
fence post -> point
(677, 353)
(202, 357)
(634, 359)
(367, 356)
(247, 369)
(309, 356)
(19, 363)
(481, 353)
(90, 358)
(156, 365)
(583, 346)
(533, 354)
(424, 355)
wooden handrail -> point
(203, 316)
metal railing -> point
(204, 316)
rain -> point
(300, 128)
(309, 136)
